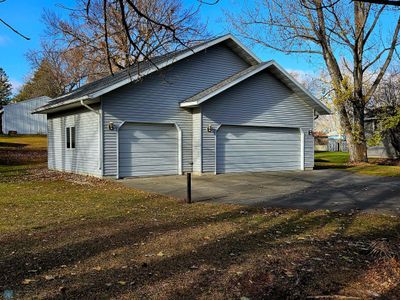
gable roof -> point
(274, 68)
(89, 92)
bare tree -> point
(346, 36)
(100, 37)
(12, 28)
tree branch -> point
(13, 29)
(387, 62)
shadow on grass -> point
(331, 166)
(17, 157)
(12, 145)
(203, 271)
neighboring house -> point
(214, 108)
(18, 117)
(385, 149)
(332, 142)
(320, 141)
(337, 142)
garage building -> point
(214, 108)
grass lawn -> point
(24, 141)
(75, 237)
(339, 160)
(22, 149)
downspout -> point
(316, 115)
(100, 134)
(89, 108)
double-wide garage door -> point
(256, 149)
(148, 149)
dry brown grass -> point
(75, 237)
(22, 149)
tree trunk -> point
(355, 133)
(357, 149)
(394, 138)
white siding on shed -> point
(85, 158)
(18, 117)
(261, 100)
(197, 140)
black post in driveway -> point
(189, 187)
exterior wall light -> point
(310, 132)
(111, 126)
(209, 128)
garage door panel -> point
(165, 160)
(259, 151)
(143, 147)
(148, 149)
(164, 154)
(262, 146)
(253, 149)
(159, 172)
(260, 136)
(259, 159)
(128, 139)
(259, 140)
(274, 155)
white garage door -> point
(255, 149)
(148, 149)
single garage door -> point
(256, 149)
(148, 149)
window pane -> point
(68, 138)
(72, 137)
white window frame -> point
(69, 128)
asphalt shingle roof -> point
(117, 77)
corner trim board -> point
(302, 152)
(215, 147)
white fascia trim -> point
(302, 149)
(42, 110)
(244, 47)
(225, 87)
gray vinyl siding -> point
(18, 117)
(84, 159)
(197, 140)
(156, 98)
(261, 100)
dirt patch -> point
(385, 162)
(41, 173)
(16, 156)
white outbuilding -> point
(18, 117)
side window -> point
(73, 137)
(70, 137)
